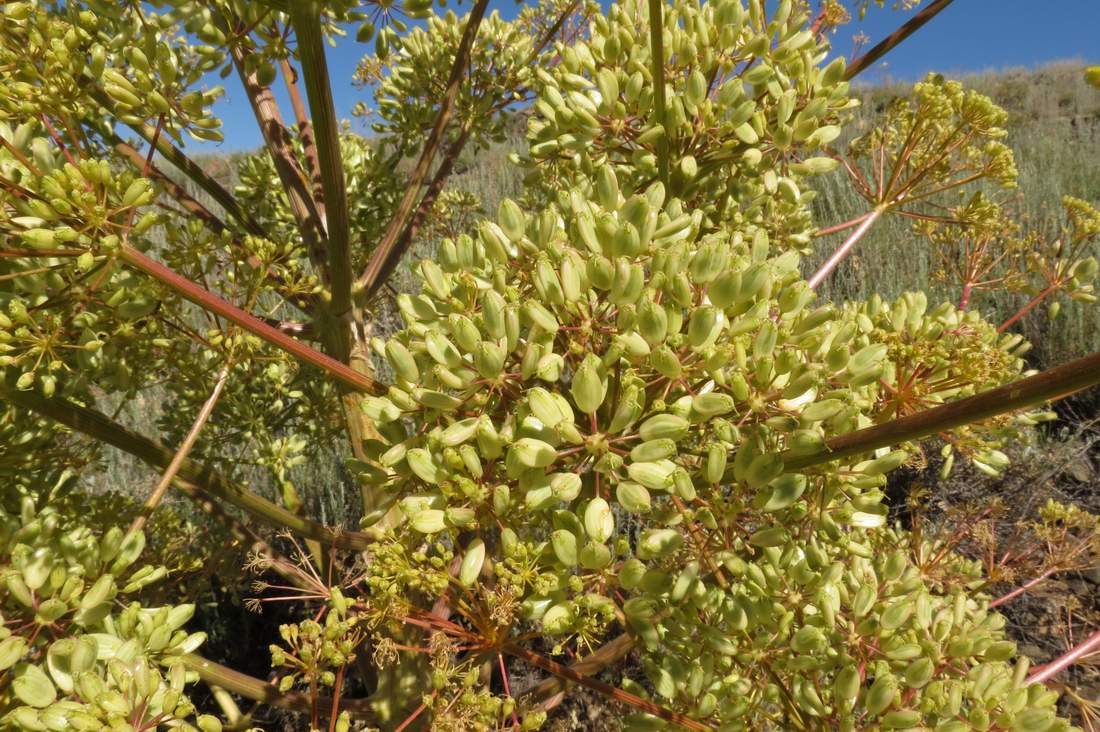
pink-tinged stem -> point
(968, 288)
(211, 302)
(1021, 589)
(507, 687)
(1025, 309)
(843, 250)
(1042, 674)
(841, 227)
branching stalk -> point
(305, 130)
(379, 266)
(1030, 584)
(1054, 383)
(169, 475)
(252, 688)
(211, 302)
(910, 27)
(1085, 648)
(844, 249)
(305, 17)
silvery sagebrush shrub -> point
(588, 442)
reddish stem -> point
(1075, 654)
(507, 687)
(1021, 589)
(1026, 308)
(412, 717)
(338, 688)
(211, 302)
(841, 227)
(968, 288)
(843, 250)
(57, 138)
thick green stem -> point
(305, 17)
(657, 61)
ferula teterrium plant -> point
(616, 441)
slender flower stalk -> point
(844, 249)
(182, 452)
(1082, 650)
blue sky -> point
(968, 36)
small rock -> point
(1031, 650)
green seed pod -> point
(764, 344)
(564, 543)
(724, 290)
(428, 521)
(772, 537)
(571, 284)
(655, 475)
(494, 240)
(846, 687)
(594, 555)
(901, 719)
(633, 497)
(664, 425)
(532, 453)
(712, 404)
(783, 492)
(715, 466)
(665, 361)
(607, 187)
(657, 543)
(653, 450)
(652, 322)
(884, 464)
(472, 563)
(808, 639)
(460, 432)
(511, 219)
(539, 316)
(702, 326)
(599, 522)
(402, 361)
(565, 486)
(881, 695)
(763, 469)
(586, 231)
(601, 273)
(489, 359)
(631, 573)
(682, 484)
(588, 387)
(919, 673)
(465, 333)
(895, 614)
